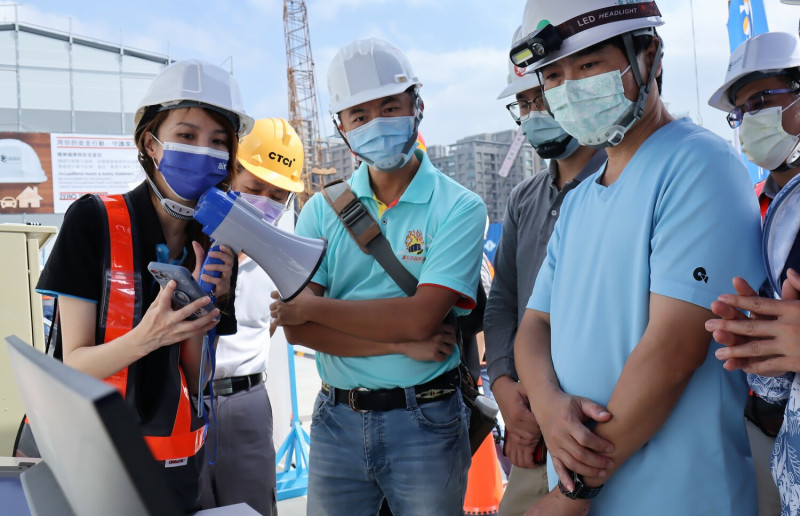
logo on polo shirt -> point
(700, 274)
(415, 245)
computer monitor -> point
(88, 438)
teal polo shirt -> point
(436, 231)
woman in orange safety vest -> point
(116, 323)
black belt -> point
(234, 384)
(366, 400)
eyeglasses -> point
(521, 109)
(754, 104)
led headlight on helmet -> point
(536, 46)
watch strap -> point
(581, 491)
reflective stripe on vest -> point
(763, 200)
(121, 291)
(182, 442)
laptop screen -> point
(88, 438)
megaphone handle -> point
(206, 286)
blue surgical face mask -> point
(190, 170)
(591, 109)
(548, 138)
(271, 208)
(381, 141)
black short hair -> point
(793, 77)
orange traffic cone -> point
(484, 483)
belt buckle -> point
(351, 399)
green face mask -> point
(591, 109)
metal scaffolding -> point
(303, 112)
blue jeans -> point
(416, 457)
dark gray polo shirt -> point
(531, 214)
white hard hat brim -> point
(766, 53)
(520, 84)
(377, 93)
(720, 99)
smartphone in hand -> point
(187, 290)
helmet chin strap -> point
(792, 161)
(410, 143)
(174, 209)
(553, 148)
(637, 110)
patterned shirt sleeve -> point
(771, 389)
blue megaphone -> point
(289, 260)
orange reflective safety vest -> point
(119, 319)
(763, 200)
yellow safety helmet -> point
(274, 153)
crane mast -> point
(303, 112)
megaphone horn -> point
(289, 260)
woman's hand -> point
(222, 284)
(163, 326)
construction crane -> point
(303, 113)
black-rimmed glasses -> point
(754, 104)
(521, 109)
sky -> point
(458, 48)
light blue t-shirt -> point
(436, 231)
(681, 221)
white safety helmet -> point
(576, 25)
(554, 30)
(367, 69)
(518, 81)
(194, 83)
(19, 163)
(764, 55)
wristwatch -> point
(581, 491)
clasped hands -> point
(573, 446)
(767, 342)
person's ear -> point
(150, 145)
(650, 57)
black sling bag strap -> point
(367, 234)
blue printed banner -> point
(746, 18)
(492, 239)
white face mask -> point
(764, 140)
(591, 109)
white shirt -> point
(245, 352)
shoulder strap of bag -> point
(367, 234)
